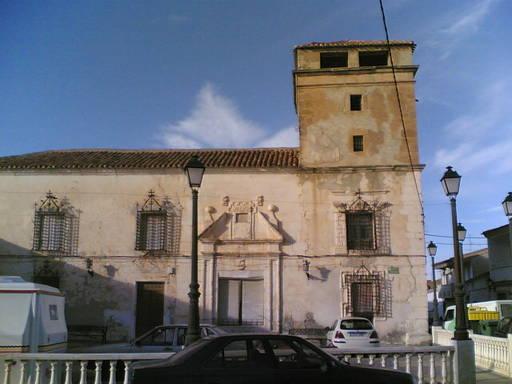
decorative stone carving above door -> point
(241, 229)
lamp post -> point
(432, 250)
(451, 183)
(195, 171)
(507, 207)
(461, 234)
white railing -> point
(493, 353)
(68, 368)
(427, 364)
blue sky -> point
(127, 74)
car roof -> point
(354, 318)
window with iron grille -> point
(55, 227)
(153, 231)
(360, 230)
(157, 225)
(368, 294)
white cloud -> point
(482, 137)
(287, 137)
(459, 26)
(215, 121)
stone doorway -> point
(150, 306)
(241, 302)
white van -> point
(32, 317)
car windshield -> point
(356, 324)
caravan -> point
(32, 317)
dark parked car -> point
(259, 358)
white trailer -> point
(31, 317)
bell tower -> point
(346, 102)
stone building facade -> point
(289, 237)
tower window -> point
(355, 102)
(333, 59)
(357, 142)
(373, 58)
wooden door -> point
(150, 306)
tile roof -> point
(143, 159)
(354, 43)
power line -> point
(450, 237)
(400, 108)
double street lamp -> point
(195, 170)
(507, 207)
(432, 250)
(451, 184)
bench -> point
(87, 333)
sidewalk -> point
(484, 376)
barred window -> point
(158, 225)
(368, 294)
(153, 231)
(360, 230)
(49, 228)
(55, 226)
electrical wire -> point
(400, 108)
(450, 237)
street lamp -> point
(432, 250)
(195, 170)
(461, 234)
(451, 183)
(507, 207)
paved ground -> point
(486, 377)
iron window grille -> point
(158, 225)
(364, 227)
(55, 227)
(368, 294)
(360, 230)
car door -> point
(242, 361)
(298, 363)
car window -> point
(242, 354)
(356, 324)
(294, 355)
(233, 355)
(449, 315)
(160, 336)
(209, 332)
(181, 334)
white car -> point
(352, 331)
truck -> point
(483, 317)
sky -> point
(181, 74)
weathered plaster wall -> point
(306, 215)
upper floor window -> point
(55, 226)
(360, 230)
(363, 227)
(157, 225)
(373, 58)
(333, 59)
